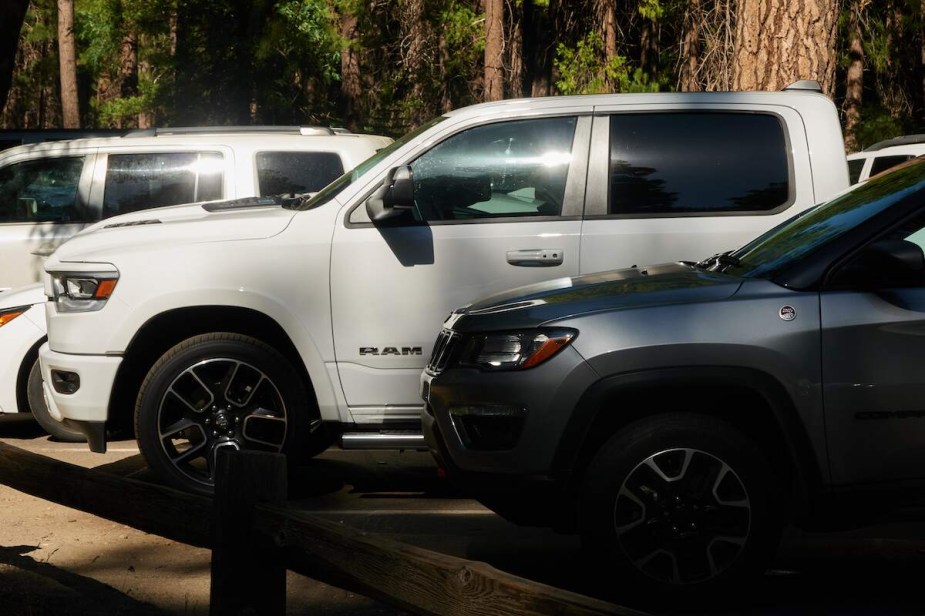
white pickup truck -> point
(285, 328)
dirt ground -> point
(59, 561)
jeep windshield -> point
(803, 234)
(337, 186)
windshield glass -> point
(334, 188)
(803, 234)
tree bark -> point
(494, 49)
(854, 87)
(778, 43)
(688, 80)
(12, 16)
(606, 15)
(67, 56)
(350, 71)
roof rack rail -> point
(807, 85)
(205, 130)
(902, 140)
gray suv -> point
(678, 415)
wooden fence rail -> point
(417, 580)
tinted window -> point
(685, 163)
(296, 172)
(141, 181)
(882, 163)
(854, 169)
(497, 170)
(42, 191)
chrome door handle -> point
(544, 257)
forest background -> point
(387, 66)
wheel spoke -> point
(265, 429)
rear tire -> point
(220, 390)
(35, 395)
(680, 505)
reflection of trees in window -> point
(631, 190)
(767, 198)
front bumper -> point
(514, 470)
(87, 408)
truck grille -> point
(444, 348)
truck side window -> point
(296, 172)
(141, 181)
(500, 170)
(42, 191)
(882, 163)
(693, 163)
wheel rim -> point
(682, 516)
(214, 404)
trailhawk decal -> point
(415, 350)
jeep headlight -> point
(515, 350)
(82, 292)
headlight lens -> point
(515, 350)
(82, 292)
(8, 314)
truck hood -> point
(241, 219)
(555, 300)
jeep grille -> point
(443, 351)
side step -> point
(383, 440)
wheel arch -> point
(22, 376)
(163, 331)
(776, 426)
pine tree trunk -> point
(606, 15)
(494, 48)
(688, 80)
(854, 87)
(67, 55)
(778, 43)
(350, 71)
(128, 70)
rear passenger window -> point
(882, 163)
(296, 172)
(42, 191)
(692, 163)
(855, 167)
(142, 181)
(499, 170)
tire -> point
(35, 395)
(680, 506)
(220, 390)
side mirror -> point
(394, 197)
(890, 263)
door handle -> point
(44, 252)
(543, 257)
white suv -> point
(280, 328)
(50, 191)
(884, 155)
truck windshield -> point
(337, 186)
(803, 234)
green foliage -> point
(876, 125)
(583, 70)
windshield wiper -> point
(719, 260)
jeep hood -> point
(243, 219)
(537, 304)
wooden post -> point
(246, 579)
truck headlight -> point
(515, 350)
(82, 292)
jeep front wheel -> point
(214, 391)
(680, 503)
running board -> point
(382, 440)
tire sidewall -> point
(620, 455)
(213, 346)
